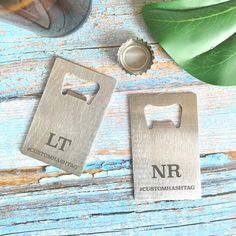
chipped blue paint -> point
(110, 207)
(108, 165)
(124, 167)
(114, 133)
(103, 203)
(218, 159)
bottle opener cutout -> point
(166, 162)
(65, 126)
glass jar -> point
(49, 18)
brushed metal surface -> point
(65, 126)
(165, 147)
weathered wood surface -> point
(104, 203)
(36, 199)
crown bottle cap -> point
(135, 56)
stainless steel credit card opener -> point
(65, 125)
(166, 162)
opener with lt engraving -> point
(65, 126)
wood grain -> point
(217, 125)
(103, 203)
(37, 199)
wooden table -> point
(37, 199)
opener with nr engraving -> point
(166, 162)
(65, 125)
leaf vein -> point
(196, 19)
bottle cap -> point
(135, 56)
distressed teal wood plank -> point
(217, 112)
(122, 17)
(29, 75)
(108, 206)
(25, 59)
(117, 168)
(212, 228)
(101, 201)
(121, 223)
(113, 168)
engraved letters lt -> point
(60, 144)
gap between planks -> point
(34, 175)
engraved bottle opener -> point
(65, 126)
(166, 163)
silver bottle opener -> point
(166, 163)
(65, 126)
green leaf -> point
(198, 35)
(186, 4)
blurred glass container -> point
(49, 18)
